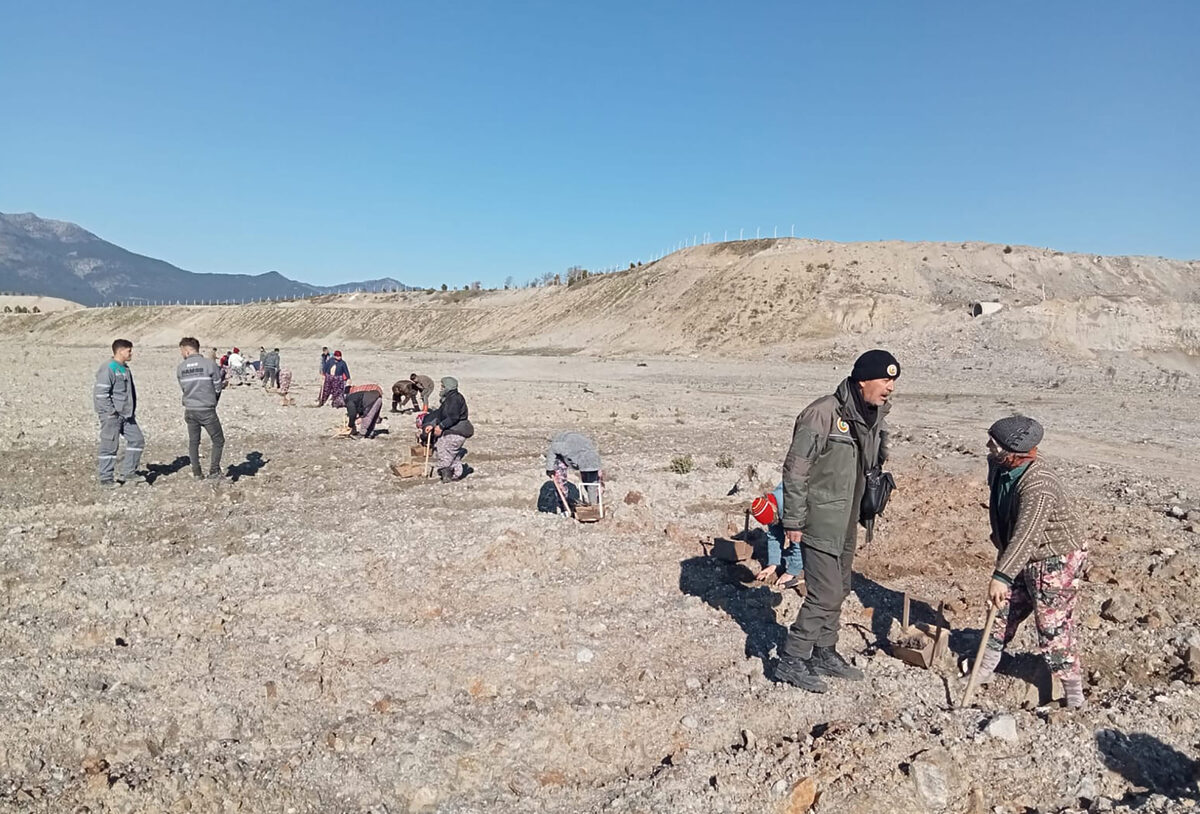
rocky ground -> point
(320, 636)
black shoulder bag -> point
(875, 498)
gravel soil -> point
(316, 635)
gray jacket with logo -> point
(114, 393)
(201, 380)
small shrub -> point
(1008, 249)
(682, 464)
(35, 310)
(725, 461)
(634, 416)
(443, 286)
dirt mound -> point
(788, 298)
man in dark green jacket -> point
(836, 440)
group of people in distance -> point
(445, 428)
(831, 484)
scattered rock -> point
(749, 741)
(1003, 727)
(424, 799)
(1157, 618)
(1191, 664)
(1092, 621)
(1178, 512)
(676, 534)
(633, 498)
(689, 722)
(802, 797)
(1172, 568)
(523, 785)
(1117, 609)
(935, 776)
(583, 655)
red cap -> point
(237, 350)
(337, 354)
(764, 509)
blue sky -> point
(448, 142)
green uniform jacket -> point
(823, 473)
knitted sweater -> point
(1033, 522)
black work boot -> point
(799, 673)
(827, 661)
(446, 474)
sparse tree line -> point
(21, 309)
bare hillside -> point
(789, 297)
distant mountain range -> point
(58, 259)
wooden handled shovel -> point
(428, 447)
(987, 634)
(563, 497)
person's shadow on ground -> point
(249, 467)
(886, 605)
(1148, 763)
(156, 471)
(717, 583)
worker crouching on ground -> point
(362, 409)
(1041, 553)
(766, 510)
(574, 450)
(405, 391)
(836, 440)
(450, 428)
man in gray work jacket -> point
(201, 380)
(836, 440)
(115, 398)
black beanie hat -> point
(875, 364)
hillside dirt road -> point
(317, 636)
